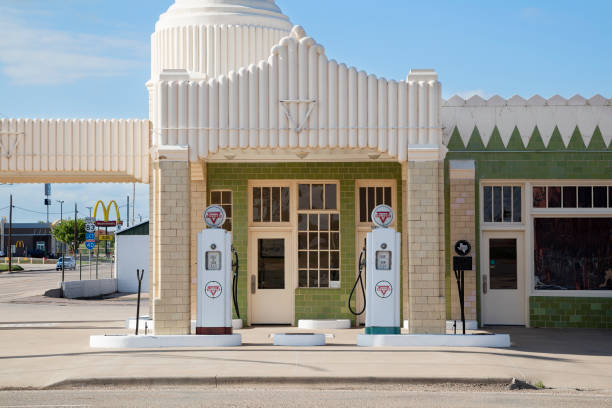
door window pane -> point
(302, 222)
(507, 203)
(569, 197)
(502, 263)
(276, 207)
(516, 204)
(487, 204)
(270, 263)
(265, 204)
(497, 204)
(256, 204)
(285, 204)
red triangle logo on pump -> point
(213, 216)
(213, 289)
(383, 289)
(383, 216)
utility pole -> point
(89, 208)
(128, 211)
(75, 238)
(10, 237)
(133, 202)
(63, 255)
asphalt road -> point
(295, 398)
(35, 279)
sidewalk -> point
(45, 342)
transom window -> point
(318, 235)
(502, 204)
(271, 204)
(572, 197)
(224, 199)
(370, 197)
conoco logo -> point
(382, 215)
(214, 216)
(213, 289)
(383, 289)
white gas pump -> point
(382, 266)
(215, 289)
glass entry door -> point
(503, 278)
(270, 286)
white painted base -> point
(433, 340)
(131, 341)
(297, 339)
(321, 324)
(131, 324)
(469, 325)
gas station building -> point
(248, 113)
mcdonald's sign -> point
(20, 244)
(106, 210)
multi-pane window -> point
(318, 236)
(572, 197)
(370, 197)
(501, 203)
(271, 204)
(224, 199)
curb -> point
(215, 382)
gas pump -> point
(217, 276)
(382, 266)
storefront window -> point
(224, 199)
(318, 236)
(573, 253)
(572, 197)
(502, 203)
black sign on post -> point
(461, 264)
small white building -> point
(132, 253)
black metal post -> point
(459, 276)
(10, 237)
(139, 276)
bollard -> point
(139, 276)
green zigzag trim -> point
(455, 143)
(576, 142)
(597, 142)
(475, 142)
(515, 143)
(536, 142)
(556, 141)
(495, 142)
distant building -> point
(28, 239)
(132, 252)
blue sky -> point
(477, 47)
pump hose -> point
(236, 267)
(360, 281)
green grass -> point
(4, 268)
(539, 385)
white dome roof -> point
(224, 12)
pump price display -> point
(213, 260)
(383, 260)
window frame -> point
(210, 202)
(271, 183)
(502, 224)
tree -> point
(64, 232)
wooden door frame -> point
(290, 278)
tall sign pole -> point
(75, 236)
(10, 237)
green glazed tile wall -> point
(545, 311)
(537, 161)
(309, 303)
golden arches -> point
(106, 209)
